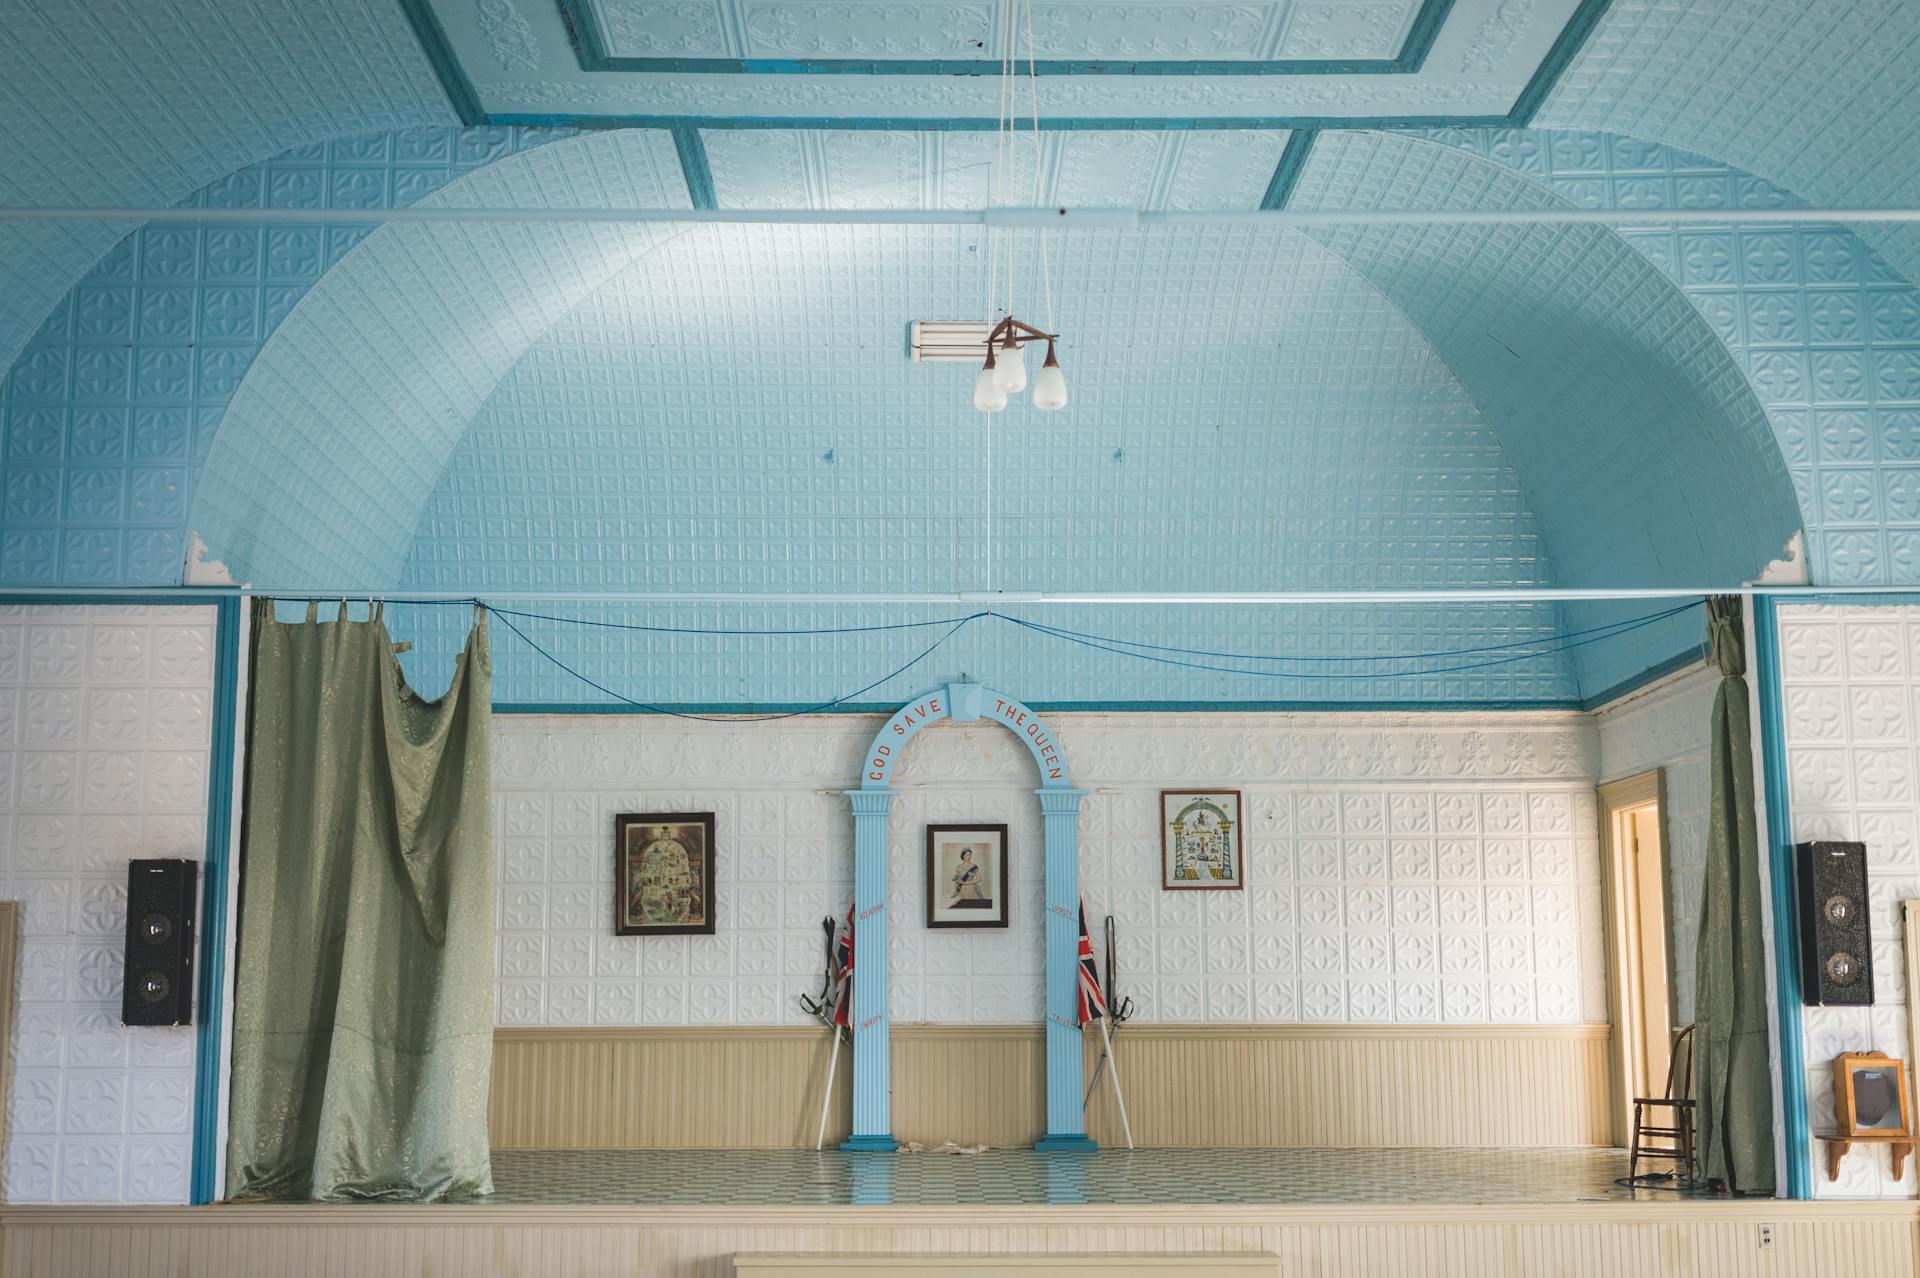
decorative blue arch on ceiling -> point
(343, 422)
(1645, 454)
(872, 801)
(111, 408)
(1826, 331)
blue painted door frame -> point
(1060, 810)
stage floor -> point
(789, 1177)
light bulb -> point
(987, 395)
(1050, 385)
(1012, 370)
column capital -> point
(1059, 799)
(877, 801)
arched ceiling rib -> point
(1645, 455)
(142, 102)
(1819, 97)
(345, 419)
(1827, 333)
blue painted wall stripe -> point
(1567, 46)
(1798, 1177)
(216, 908)
(592, 55)
(1286, 174)
(432, 38)
(694, 166)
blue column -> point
(1066, 1119)
(872, 1089)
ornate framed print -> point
(663, 874)
(967, 875)
(1200, 841)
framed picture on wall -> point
(663, 874)
(1200, 841)
(967, 875)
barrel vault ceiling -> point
(456, 407)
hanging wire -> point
(926, 652)
(1325, 678)
(1632, 623)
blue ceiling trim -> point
(433, 41)
(591, 52)
(1652, 674)
(694, 166)
(1287, 172)
(1572, 38)
(986, 124)
(1421, 36)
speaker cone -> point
(154, 986)
(1843, 968)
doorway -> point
(1634, 874)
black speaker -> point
(159, 971)
(1836, 940)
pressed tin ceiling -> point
(432, 405)
(1344, 59)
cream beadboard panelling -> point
(1850, 683)
(732, 1087)
(1574, 1240)
(1669, 726)
(104, 734)
(1413, 869)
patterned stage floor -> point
(786, 1177)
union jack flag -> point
(843, 975)
(1093, 1003)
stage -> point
(681, 1214)
(1025, 1177)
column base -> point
(870, 1144)
(1075, 1142)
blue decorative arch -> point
(1060, 808)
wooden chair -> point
(1669, 1118)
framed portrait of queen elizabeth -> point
(663, 874)
(966, 876)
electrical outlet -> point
(1766, 1237)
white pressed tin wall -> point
(104, 739)
(1669, 726)
(1401, 868)
(1850, 683)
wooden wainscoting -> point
(1586, 1240)
(1338, 1086)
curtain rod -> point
(1010, 598)
(1090, 219)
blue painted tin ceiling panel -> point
(142, 102)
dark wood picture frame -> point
(625, 827)
(1235, 831)
(1002, 911)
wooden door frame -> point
(1616, 881)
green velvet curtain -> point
(1733, 1089)
(363, 1016)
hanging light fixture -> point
(1004, 371)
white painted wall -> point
(104, 740)
(1668, 726)
(1415, 868)
(1850, 681)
